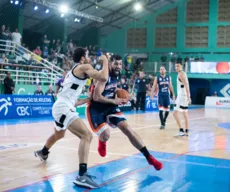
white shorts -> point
(181, 103)
(63, 115)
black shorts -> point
(163, 103)
(99, 118)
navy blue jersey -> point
(109, 92)
(163, 85)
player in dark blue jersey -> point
(104, 110)
(164, 84)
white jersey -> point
(71, 88)
(181, 91)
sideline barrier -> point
(217, 102)
(24, 106)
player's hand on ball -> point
(119, 101)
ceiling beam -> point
(110, 10)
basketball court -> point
(198, 163)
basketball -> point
(123, 94)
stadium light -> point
(76, 20)
(69, 10)
(35, 7)
(47, 11)
(63, 8)
(11, 1)
(62, 15)
(16, 2)
(138, 6)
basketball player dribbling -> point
(183, 99)
(64, 112)
(164, 84)
(104, 110)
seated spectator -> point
(9, 84)
(38, 51)
(3, 59)
(39, 91)
(50, 91)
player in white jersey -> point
(183, 99)
(66, 117)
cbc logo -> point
(23, 111)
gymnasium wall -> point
(174, 28)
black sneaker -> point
(40, 155)
(86, 181)
(186, 132)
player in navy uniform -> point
(104, 110)
(164, 84)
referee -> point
(141, 84)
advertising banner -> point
(217, 102)
(210, 67)
(151, 105)
(24, 106)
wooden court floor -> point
(19, 167)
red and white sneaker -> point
(101, 148)
(155, 163)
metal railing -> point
(153, 67)
(46, 72)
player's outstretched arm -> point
(97, 95)
(98, 75)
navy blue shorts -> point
(163, 103)
(99, 118)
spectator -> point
(173, 59)
(179, 59)
(39, 91)
(186, 59)
(124, 85)
(16, 38)
(60, 82)
(50, 91)
(45, 52)
(215, 94)
(202, 58)
(197, 58)
(163, 58)
(142, 85)
(45, 42)
(53, 45)
(37, 51)
(3, 59)
(9, 84)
